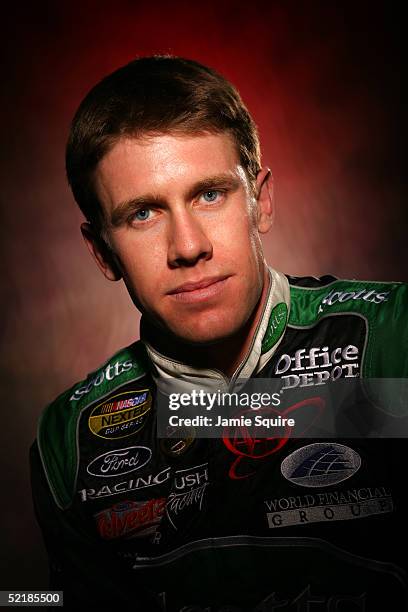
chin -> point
(208, 330)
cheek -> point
(142, 262)
(237, 239)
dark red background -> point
(324, 82)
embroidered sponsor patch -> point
(130, 519)
(107, 374)
(125, 486)
(367, 295)
(340, 505)
(121, 415)
(316, 366)
(245, 446)
(276, 326)
(320, 464)
(188, 493)
(119, 462)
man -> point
(163, 159)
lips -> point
(201, 292)
(197, 285)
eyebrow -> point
(124, 209)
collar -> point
(269, 333)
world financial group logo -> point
(320, 464)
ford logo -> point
(120, 462)
(320, 465)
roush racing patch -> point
(188, 493)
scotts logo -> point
(320, 465)
(108, 373)
(120, 462)
(344, 296)
(121, 415)
(276, 326)
(316, 366)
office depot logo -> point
(316, 366)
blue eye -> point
(142, 214)
(210, 196)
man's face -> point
(183, 224)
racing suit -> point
(198, 524)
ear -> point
(102, 254)
(265, 201)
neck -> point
(225, 355)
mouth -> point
(200, 290)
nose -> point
(188, 240)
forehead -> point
(163, 164)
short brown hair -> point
(154, 95)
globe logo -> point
(320, 465)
